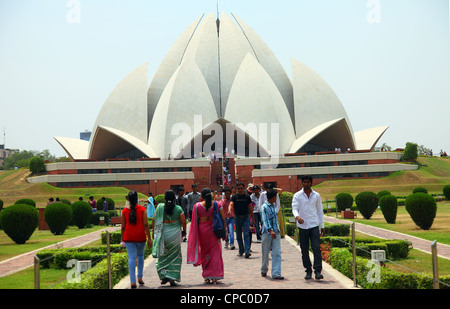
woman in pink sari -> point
(204, 248)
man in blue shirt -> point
(270, 236)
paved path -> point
(443, 250)
(242, 273)
(26, 260)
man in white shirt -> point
(308, 211)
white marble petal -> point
(108, 142)
(271, 64)
(186, 95)
(75, 148)
(168, 66)
(125, 109)
(305, 138)
(368, 138)
(315, 102)
(204, 50)
(255, 99)
(233, 49)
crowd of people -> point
(243, 211)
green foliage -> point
(337, 229)
(388, 205)
(65, 201)
(115, 237)
(58, 217)
(21, 159)
(26, 201)
(1, 205)
(81, 213)
(111, 204)
(341, 260)
(159, 199)
(383, 193)
(422, 209)
(446, 192)
(286, 199)
(58, 258)
(420, 189)
(97, 277)
(19, 222)
(37, 164)
(395, 249)
(410, 153)
(367, 203)
(95, 218)
(343, 201)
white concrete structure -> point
(222, 70)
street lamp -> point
(156, 188)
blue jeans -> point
(230, 230)
(135, 252)
(257, 216)
(243, 227)
(267, 243)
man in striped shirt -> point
(270, 236)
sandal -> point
(164, 281)
(207, 281)
(172, 283)
(214, 281)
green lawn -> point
(39, 239)
(440, 230)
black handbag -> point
(218, 227)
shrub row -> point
(341, 260)
(331, 229)
(58, 258)
(97, 277)
(395, 249)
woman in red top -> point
(135, 232)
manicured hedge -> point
(395, 249)
(331, 229)
(97, 277)
(341, 260)
(26, 201)
(58, 258)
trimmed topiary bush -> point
(383, 193)
(111, 204)
(19, 222)
(446, 192)
(26, 201)
(367, 203)
(420, 189)
(58, 216)
(81, 213)
(160, 199)
(388, 205)
(422, 209)
(95, 218)
(344, 201)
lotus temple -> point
(220, 98)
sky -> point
(387, 61)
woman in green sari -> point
(169, 225)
